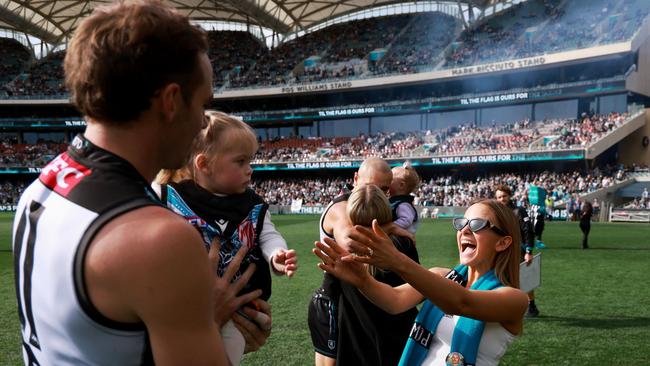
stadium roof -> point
(54, 20)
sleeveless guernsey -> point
(331, 285)
(57, 217)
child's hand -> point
(285, 262)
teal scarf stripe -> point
(467, 333)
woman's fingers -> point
(376, 228)
(332, 244)
(323, 257)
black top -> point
(586, 212)
(331, 285)
(232, 213)
(525, 226)
(367, 334)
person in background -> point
(585, 222)
(503, 194)
(405, 181)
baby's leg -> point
(234, 342)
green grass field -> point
(595, 303)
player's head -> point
(221, 155)
(405, 180)
(368, 202)
(503, 194)
(374, 171)
(488, 237)
(140, 61)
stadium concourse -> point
(547, 97)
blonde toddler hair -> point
(223, 133)
(409, 175)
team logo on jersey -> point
(223, 224)
(246, 233)
(62, 174)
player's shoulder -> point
(147, 233)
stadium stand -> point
(446, 190)
(16, 155)
(420, 45)
(551, 134)
(408, 43)
(232, 54)
(43, 78)
(13, 58)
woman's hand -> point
(379, 248)
(330, 254)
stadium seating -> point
(420, 46)
(13, 58)
(405, 43)
(16, 155)
(445, 190)
(538, 27)
(520, 136)
(232, 54)
(43, 78)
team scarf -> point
(467, 333)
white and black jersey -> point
(57, 217)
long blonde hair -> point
(222, 134)
(366, 203)
(506, 262)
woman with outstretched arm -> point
(471, 313)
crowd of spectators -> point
(458, 140)
(538, 27)
(638, 203)
(404, 43)
(583, 131)
(232, 54)
(448, 190)
(13, 58)
(383, 144)
(312, 192)
(552, 134)
(17, 155)
(560, 187)
(420, 45)
(43, 77)
(10, 192)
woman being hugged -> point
(471, 313)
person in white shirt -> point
(471, 313)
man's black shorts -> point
(322, 319)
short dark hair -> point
(503, 188)
(123, 54)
